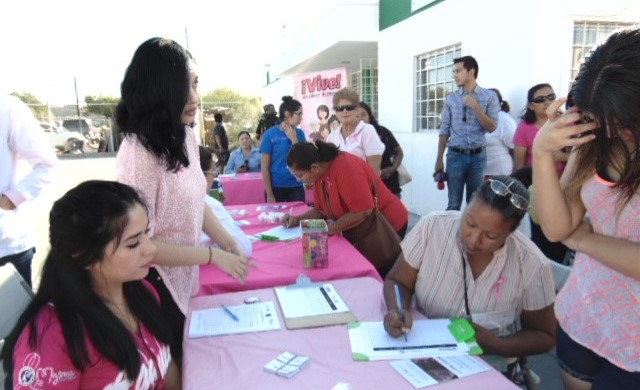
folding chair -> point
(16, 295)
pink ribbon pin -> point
(497, 288)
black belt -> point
(467, 151)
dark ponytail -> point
(303, 154)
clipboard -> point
(306, 304)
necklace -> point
(124, 315)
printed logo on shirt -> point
(34, 377)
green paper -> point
(359, 357)
(461, 329)
(474, 348)
(353, 325)
(265, 237)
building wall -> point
(517, 44)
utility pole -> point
(75, 86)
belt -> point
(467, 151)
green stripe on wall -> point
(395, 11)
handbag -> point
(374, 237)
(404, 176)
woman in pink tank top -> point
(598, 310)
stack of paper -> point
(431, 371)
(428, 338)
(287, 364)
(248, 318)
(313, 305)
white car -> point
(64, 140)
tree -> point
(238, 112)
(101, 105)
(38, 108)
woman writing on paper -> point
(343, 190)
(476, 265)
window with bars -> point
(585, 36)
(434, 81)
(364, 80)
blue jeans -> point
(287, 194)
(463, 169)
(586, 365)
(22, 262)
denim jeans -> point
(463, 169)
(586, 365)
(22, 262)
(288, 194)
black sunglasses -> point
(349, 107)
(540, 99)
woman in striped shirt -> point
(476, 265)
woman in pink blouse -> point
(598, 309)
(159, 158)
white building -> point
(517, 44)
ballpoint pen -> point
(226, 309)
(400, 309)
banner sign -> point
(315, 91)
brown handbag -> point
(374, 237)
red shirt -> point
(348, 183)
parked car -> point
(64, 140)
(84, 126)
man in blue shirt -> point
(468, 113)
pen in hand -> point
(400, 309)
(228, 311)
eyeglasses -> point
(212, 173)
(349, 107)
(540, 99)
(517, 200)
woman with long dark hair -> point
(94, 321)
(598, 311)
(159, 158)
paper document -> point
(310, 301)
(281, 233)
(257, 317)
(431, 371)
(227, 175)
(428, 338)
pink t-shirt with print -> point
(49, 366)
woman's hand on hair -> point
(290, 132)
(563, 130)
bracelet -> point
(210, 255)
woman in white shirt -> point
(500, 142)
(355, 136)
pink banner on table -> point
(237, 361)
(243, 188)
(315, 91)
(279, 263)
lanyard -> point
(464, 281)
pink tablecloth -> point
(237, 361)
(243, 188)
(280, 263)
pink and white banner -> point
(315, 91)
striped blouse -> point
(518, 278)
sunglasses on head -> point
(499, 188)
(540, 99)
(349, 107)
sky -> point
(47, 43)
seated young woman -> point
(476, 265)
(94, 323)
